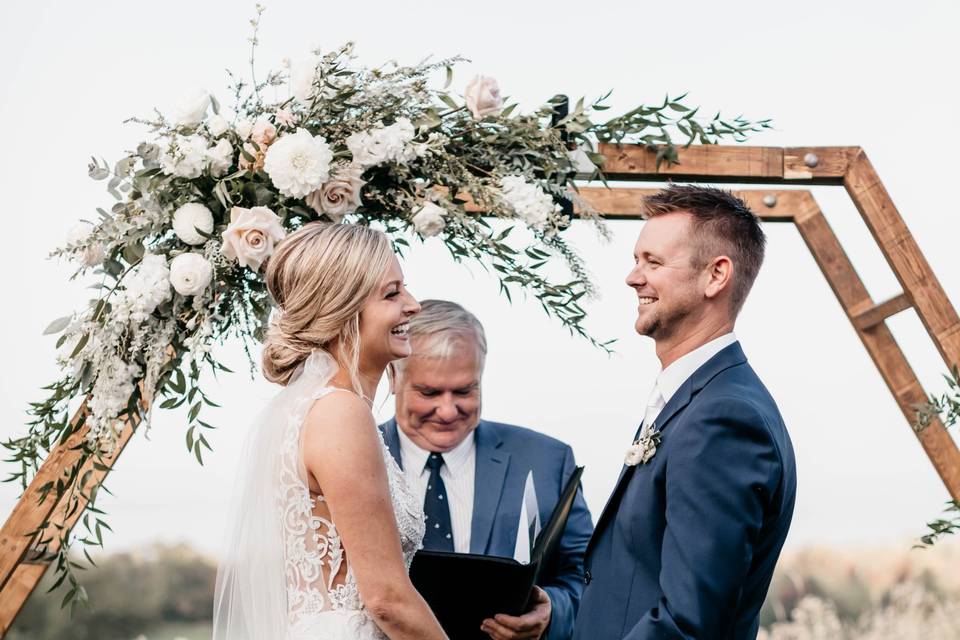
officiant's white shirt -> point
(457, 473)
(673, 377)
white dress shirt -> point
(677, 372)
(457, 473)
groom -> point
(688, 541)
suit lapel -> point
(726, 358)
(491, 471)
(392, 439)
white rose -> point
(244, 128)
(483, 97)
(340, 195)
(190, 273)
(428, 220)
(220, 158)
(193, 109)
(217, 125)
(251, 236)
(190, 217)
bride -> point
(323, 527)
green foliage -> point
(946, 408)
(132, 593)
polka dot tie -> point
(439, 536)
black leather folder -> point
(463, 589)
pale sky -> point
(881, 75)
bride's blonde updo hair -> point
(320, 276)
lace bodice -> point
(318, 573)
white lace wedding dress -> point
(286, 574)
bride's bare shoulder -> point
(339, 412)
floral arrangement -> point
(200, 207)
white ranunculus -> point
(192, 109)
(186, 157)
(298, 163)
(217, 125)
(190, 273)
(483, 97)
(190, 217)
(244, 128)
(220, 157)
(428, 220)
(302, 76)
(251, 236)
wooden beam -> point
(625, 203)
(821, 165)
(726, 163)
(879, 342)
(697, 162)
(19, 572)
(905, 258)
(880, 312)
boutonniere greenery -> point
(644, 447)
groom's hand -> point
(529, 626)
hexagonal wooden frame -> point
(25, 558)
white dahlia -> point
(298, 163)
(190, 217)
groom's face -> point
(669, 290)
(438, 399)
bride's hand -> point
(529, 626)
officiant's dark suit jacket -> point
(687, 543)
(505, 454)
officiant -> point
(471, 472)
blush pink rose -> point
(483, 97)
(251, 236)
(339, 195)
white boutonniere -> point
(644, 447)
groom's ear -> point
(720, 276)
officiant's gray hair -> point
(438, 328)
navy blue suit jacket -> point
(687, 543)
(505, 454)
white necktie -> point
(655, 404)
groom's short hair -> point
(722, 225)
(440, 326)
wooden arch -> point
(25, 557)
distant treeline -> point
(130, 594)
